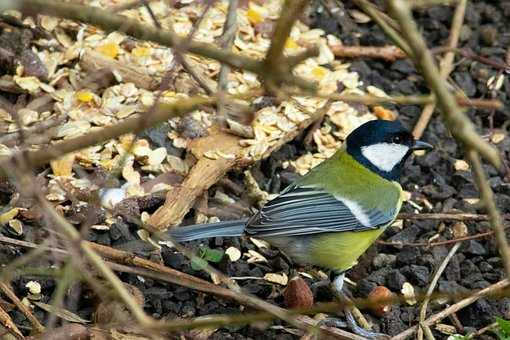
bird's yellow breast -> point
(340, 251)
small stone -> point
(488, 35)
(419, 275)
(395, 280)
(364, 287)
(465, 33)
(408, 255)
(475, 248)
(383, 260)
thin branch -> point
(289, 13)
(388, 53)
(380, 20)
(446, 66)
(459, 124)
(447, 216)
(432, 286)
(227, 39)
(7, 290)
(495, 218)
(454, 308)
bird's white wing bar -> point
(305, 210)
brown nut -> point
(298, 294)
(379, 300)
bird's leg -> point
(339, 291)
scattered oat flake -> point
(319, 71)
(102, 227)
(375, 91)
(461, 165)
(254, 257)
(30, 84)
(157, 156)
(33, 287)
(110, 197)
(130, 174)
(408, 292)
(109, 49)
(291, 44)
(84, 96)
(498, 137)
(281, 279)
(233, 254)
(254, 14)
(259, 243)
(141, 51)
(63, 166)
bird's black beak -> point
(420, 145)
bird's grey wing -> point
(304, 210)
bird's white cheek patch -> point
(384, 155)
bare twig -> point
(495, 218)
(7, 290)
(9, 325)
(380, 20)
(432, 286)
(289, 13)
(388, 53)
(445, 66)
(227, 39)
(454, 308)
(447, 216)
(460, 126)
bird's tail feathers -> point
(201, 231)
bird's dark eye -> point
(396, 139)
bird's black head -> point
(383, 146)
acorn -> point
(379, 300)
(298, 294)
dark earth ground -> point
(476, 265)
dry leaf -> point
(60, 312)
(16, 226)
(9, 215)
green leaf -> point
(198, 263)
(213, 255)
(504, 325)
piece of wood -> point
(205, 173)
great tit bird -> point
(329, 217)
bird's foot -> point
(356, 329)
(342, 294)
